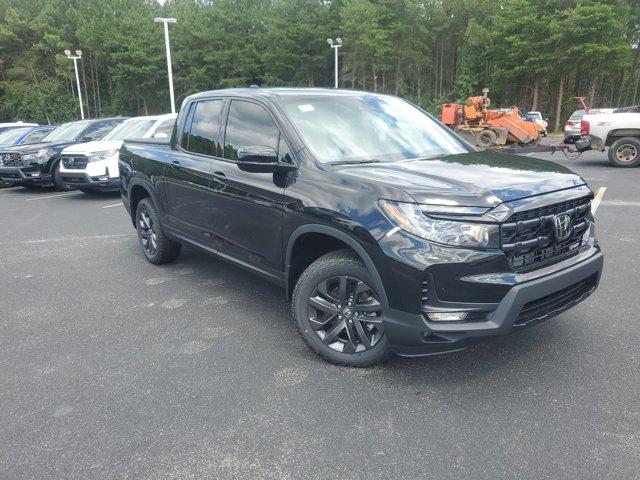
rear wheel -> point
(155, 245)
(338, 313)
(625, 152)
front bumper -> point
(527, 303)
(85, 182)
(29, 176)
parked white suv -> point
(620, 131)
(93, 166)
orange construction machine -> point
(483, 127)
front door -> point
(248, 209)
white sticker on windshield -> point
(307, 107)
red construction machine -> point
(488, 128)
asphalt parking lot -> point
(111, 367)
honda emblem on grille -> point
(563, 226)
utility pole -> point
(166, 22)
(335, 45)
(75, 59)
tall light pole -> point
(335, 46)
(166, 22)
(75, 59)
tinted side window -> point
(248, 125)
(204, 134)
(284, 153)
(99, 130)
(35, 137)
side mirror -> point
(261, 160)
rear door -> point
(248, 209)
(188, 181)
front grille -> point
(529, 240)
(556, 302)
(75, 163)
(11, 160)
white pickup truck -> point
(620, 131)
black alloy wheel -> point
(147, 232)
(154, 243)
(346, 314)
(338, 312)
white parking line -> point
(50, 196)
(597, 200)
(114, 205)
(620, 203)
(70, 239)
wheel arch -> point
(614, 135)
(298, 236)
(138, 190)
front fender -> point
(345, 238)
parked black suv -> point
(37, 164)
(387, 231)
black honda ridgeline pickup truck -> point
(388, 232)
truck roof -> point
(279, 92)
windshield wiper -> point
(354, 162)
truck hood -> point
(93, 147)
(30, 148)
(472, 179)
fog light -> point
(447, 316)
(103, 179)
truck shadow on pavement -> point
(266, 309)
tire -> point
(486, 138)
(56, 178)
(625, 152)
(360, 340)
(154, 244)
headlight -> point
(30, 157)
(44, 153)
(98, 156)
(411, 218)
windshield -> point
(66, 133)
(10, 136)
(368, 127)
(134, 128)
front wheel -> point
(155, 245)
(338, 313)
(625, 152)
(56, 178)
